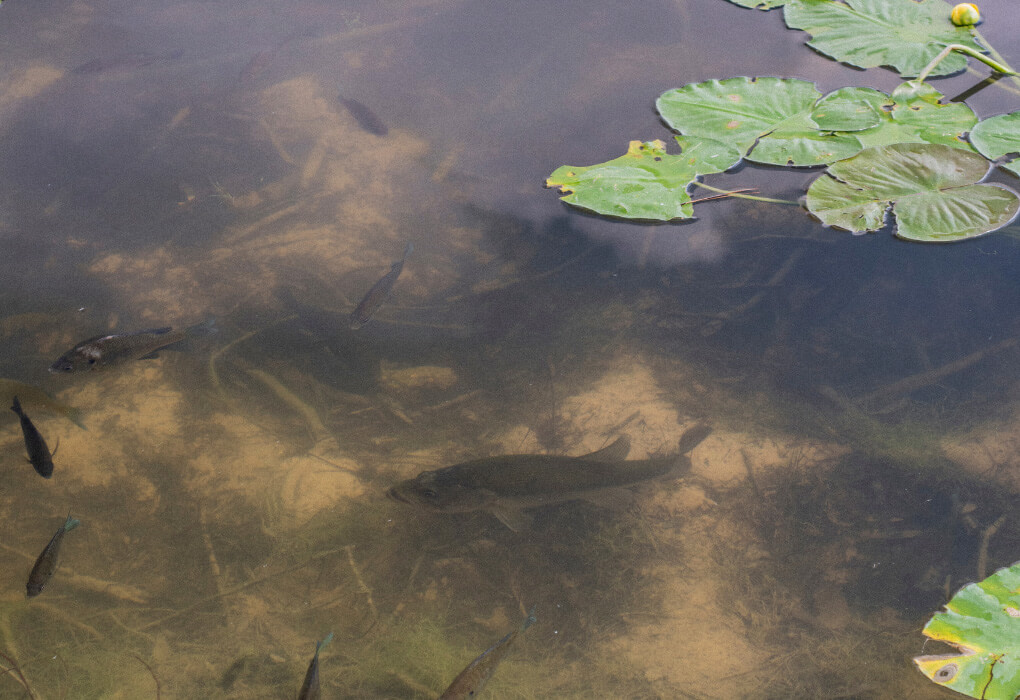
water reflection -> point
(166, 167)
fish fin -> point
(693, 437)
(151, 356)
(55, 448)
(154, 331)
(616, 451)
(618, 499)
(408, 249)
(74, 415)
(204, 328)
(514, 518)
(16, 407)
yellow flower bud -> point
(966, 14)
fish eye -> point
(92, 360)
(946, 673)
(68, 368)
(429, 493)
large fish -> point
(310, 689)
(366, 118)
(46, 564)
(34, 398)
(472, 679)
(39, 454)
(104, 350)
(378, 293)
(506, 485)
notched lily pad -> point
(903, 34)
(999, 136)
(646, 183)
(983, 622)
(931, 188)
(735, 110)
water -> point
(166, 164)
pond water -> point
(262, 165)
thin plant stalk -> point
(732, 193)
(991, 62)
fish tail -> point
(321, 644)
(16, 407)
(71, 523)
(693, 437)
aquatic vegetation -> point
(983, 622)
(905, 138)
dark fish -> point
(105, 350)
(472, 679)
(310, 688)
(506, 485)
(366, 118)
(378, 293)
(46, 564)
(38, 453)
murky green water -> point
(166, 164)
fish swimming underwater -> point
(378, 293)
(310, 689)
(366, 118)
(39, 454)
(104, 350)
(46, 564)
(507, 484)
(472, 679)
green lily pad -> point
(916, 115)
(646, 183)
(850, 109)
(903, 34)
(998, 136)
(932, 189)
(983, 622)
(736, 110)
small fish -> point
(310, 688)
(366, 118)
(105, 350)
(38, 453)
(46, 564)
(472, 679)
(507, 484)
(34, 398)
(378, 293)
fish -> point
(472, 679)
(34, 398)
(506, 485)
(39, 455)
(46, 564)
(366, 118)
(378, 293)
(103, 350)
(310, 688)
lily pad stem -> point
(994, 54)
(991, 62)
(731, 193)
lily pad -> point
(932, 189)
(983, 622)
(736, 110)
(850, 109)
(646, 183)
(916, 115)
(903, 34)
(998, 136)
